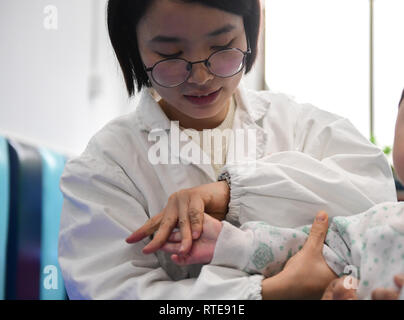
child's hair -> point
(123, 18)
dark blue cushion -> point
(24, 234)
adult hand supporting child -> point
(305, 275)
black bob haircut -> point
(123, 17)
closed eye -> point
(227, 46)
(169, 56)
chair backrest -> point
(4, 212)
(52, 286)
(24, 233)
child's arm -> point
(255, 248)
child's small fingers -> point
(384, 294)
(171, 247)
(399, 280)
(175, 237)
(179, 260)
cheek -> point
(170, 95)
(232, 83)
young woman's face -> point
(191, 31)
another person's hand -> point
(390, 294)
(306, 274)
(186, 209)
(337, 290)
(202, 249)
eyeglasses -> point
(224, 63)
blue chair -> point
(25, 222)
(4, 200)
(52, 286)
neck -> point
(191, 123)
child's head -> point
(145, 32)
(398, 148)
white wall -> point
(255, 79)
(389, 66)
(44, 79)
(318, 51)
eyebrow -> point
(167, 39)
(226, 29)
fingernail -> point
(195, 234)
(321, 216)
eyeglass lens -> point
(173, 72)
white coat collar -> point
(150, 116)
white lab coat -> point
(309, 160)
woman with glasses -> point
(140, 173)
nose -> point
(200, 74)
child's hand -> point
(202, 249)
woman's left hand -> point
(185, 209)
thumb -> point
(318, 232)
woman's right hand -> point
(185, 209)
(306, 275)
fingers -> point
(342, 290)
(399, 280)
(167, 224)
(174, 248)
(337, 290)
(181, 260)
(146, 230)
(385, 294)
(185, 208)
(184, 226)
(171, 247)
(190, 220)
(318, 232)
(389, 294)
(328, 293)
(175, 237)
(196, 214)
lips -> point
(203, 98)
(203, 94)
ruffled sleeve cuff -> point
(236, 192)
(233, 247)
